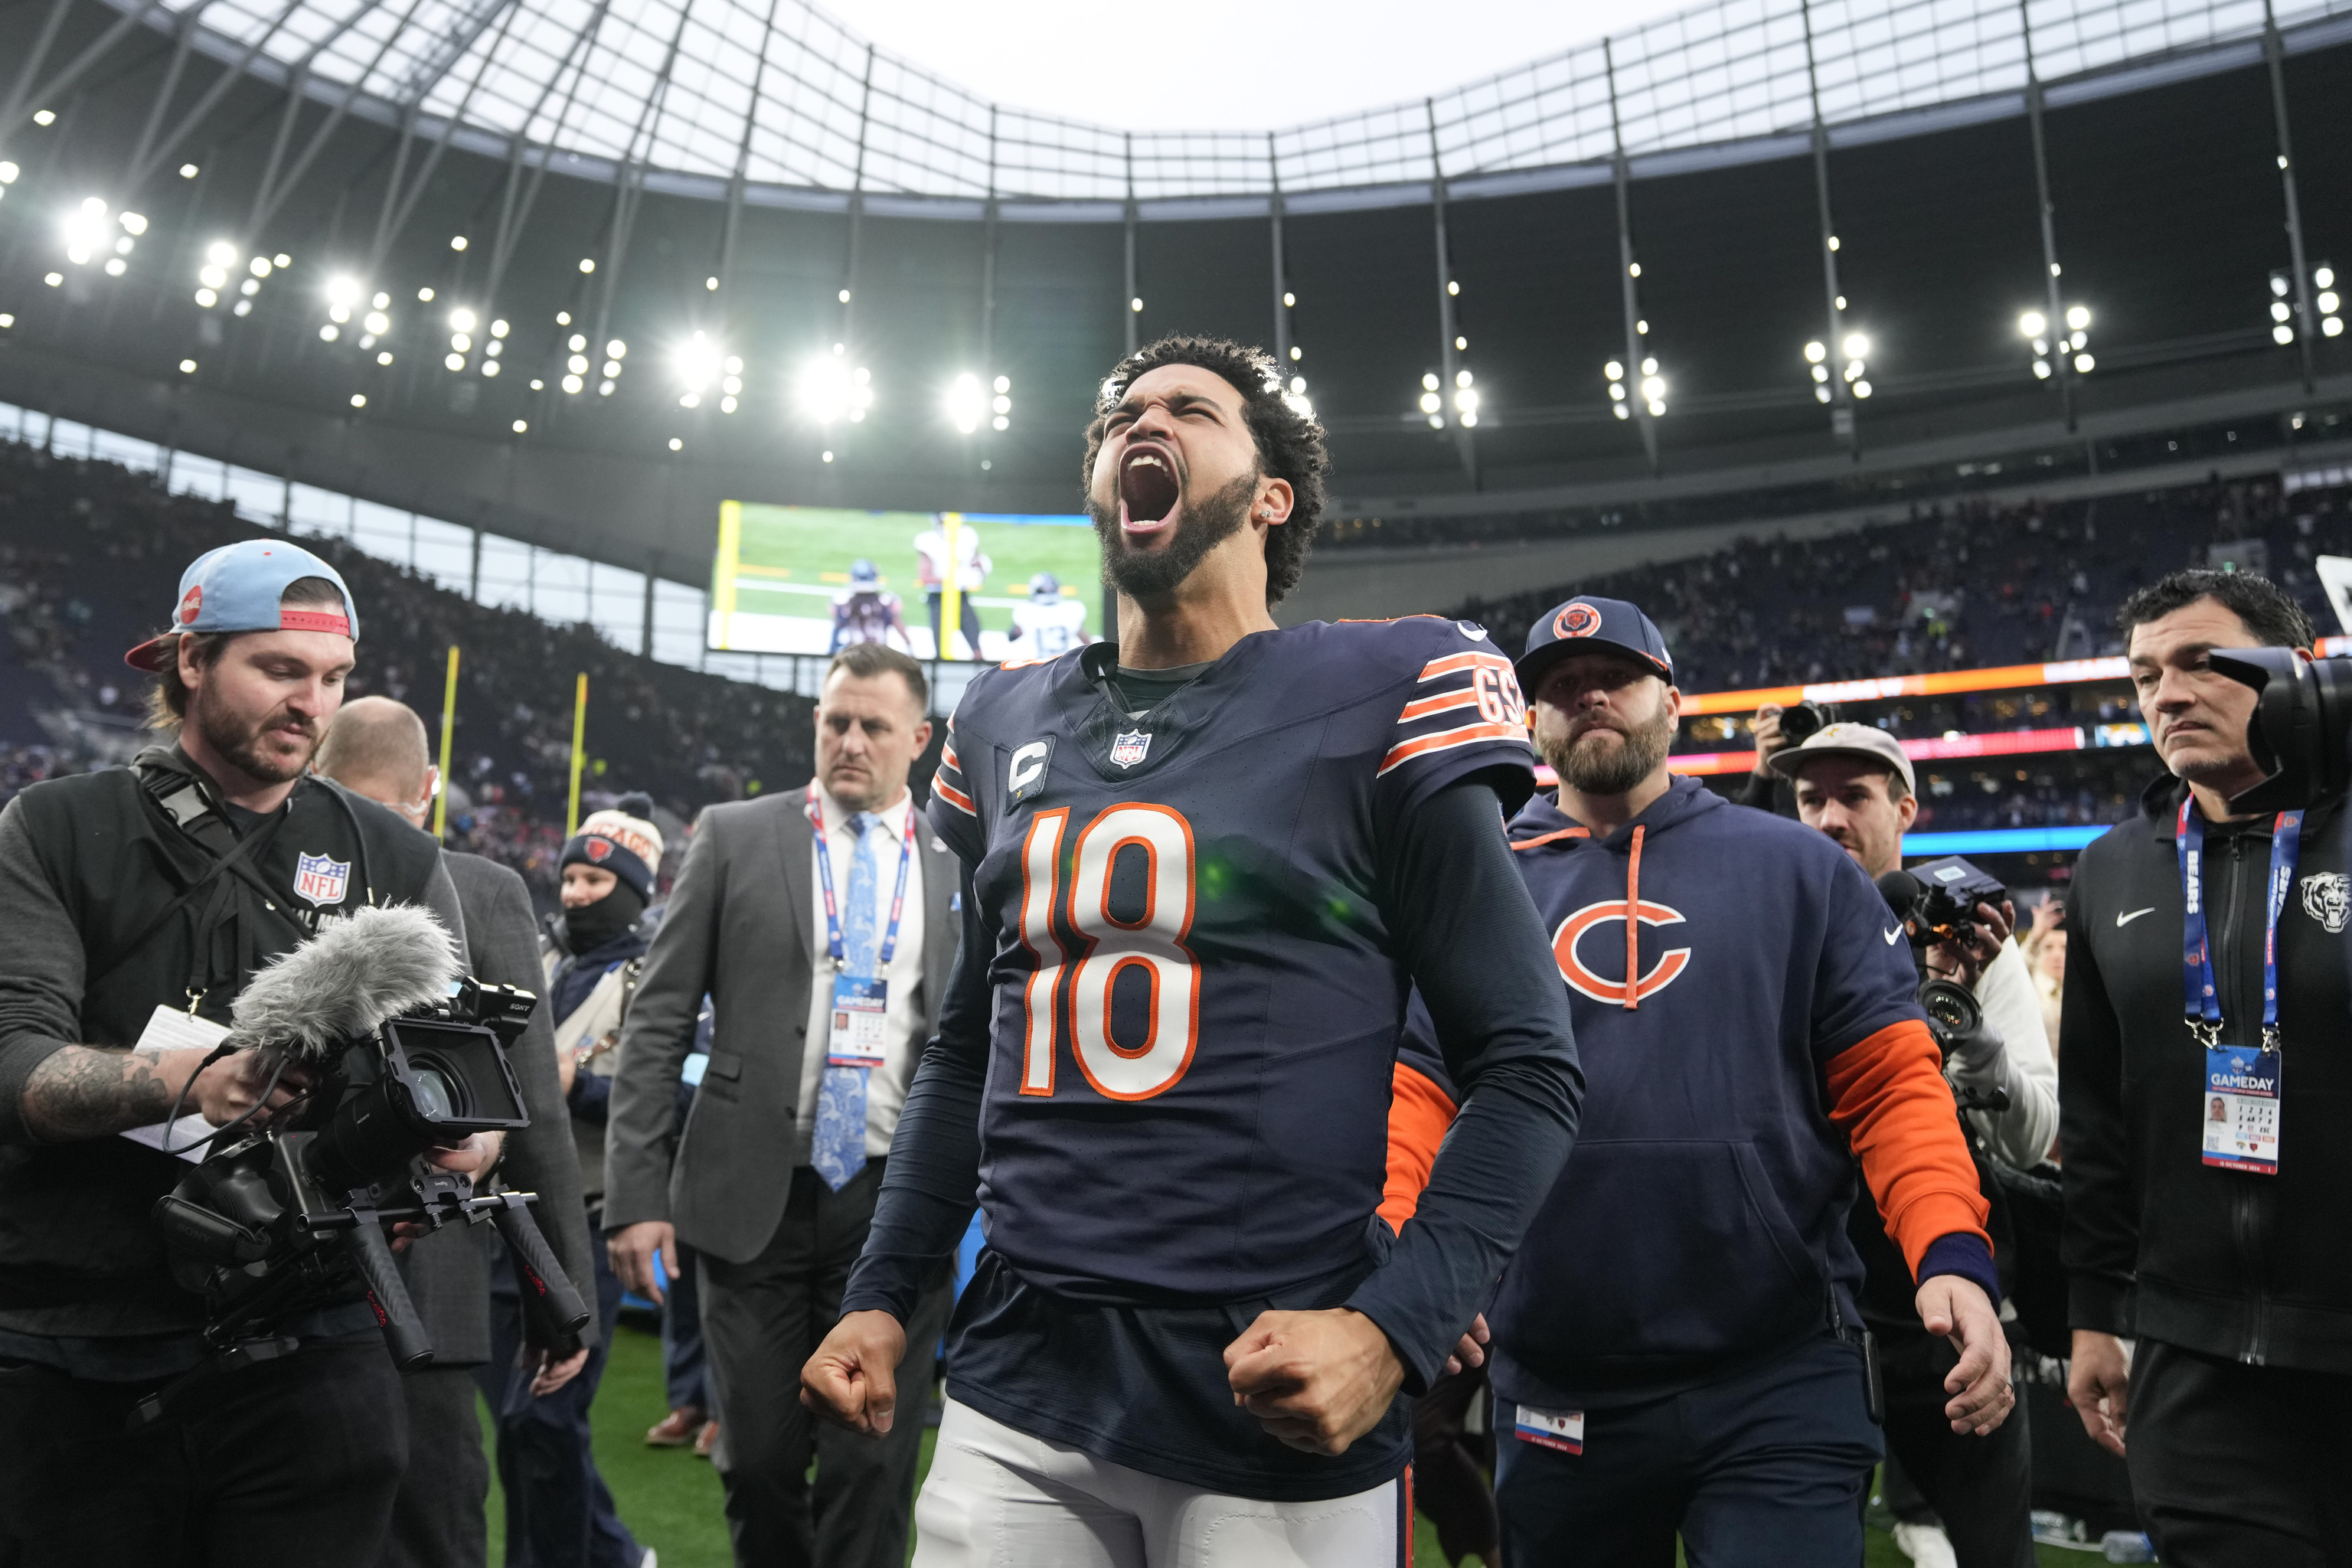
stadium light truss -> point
(785, 96)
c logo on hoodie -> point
(1576, 927)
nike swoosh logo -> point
(2127, 920)
(1894, 936)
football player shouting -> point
(1203, 864)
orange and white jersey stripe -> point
(1466, 699)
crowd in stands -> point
(1963, 587)
(90, 555)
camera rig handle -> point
(551, 1306)
(404, 1331)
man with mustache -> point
(138, 902)
(1677, 1346)
(1202, 864)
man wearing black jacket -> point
(2217, 1245)
(137, 903)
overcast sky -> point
(1249, 64)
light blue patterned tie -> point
(839, 1151)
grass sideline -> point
(671, 1501)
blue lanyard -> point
(833, 945)
(2203, 1002)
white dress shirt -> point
(903, 1021)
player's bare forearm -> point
(1315, 1381)
(91, 1091)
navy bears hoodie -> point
(1768, 1043)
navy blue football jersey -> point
(1197, 1002)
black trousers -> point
(760, 1322)
(285, 1464)
(1449, 1478)
(440, 1519)
(560, 1514)
(1980, 1488)
(1762, 1469)
(2237, 1466)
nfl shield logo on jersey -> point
(321, 881)
(1129, 748)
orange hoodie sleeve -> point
(1888, 1094)
(1419, 1114)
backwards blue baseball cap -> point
(238, 588)
(1588, 624)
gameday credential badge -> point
(321, 881)
(1130, 749)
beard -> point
(1602, 769)
(242, 743)
(1156, 573)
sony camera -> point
(285, 1220)
(1801, 721)
(2301, 726)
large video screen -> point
(783, 580)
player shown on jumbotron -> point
(1202, 864)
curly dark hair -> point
(2268, 610)
(1289, 442)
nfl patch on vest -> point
(321, 881)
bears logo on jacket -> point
(1573, 969)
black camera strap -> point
(186, 803)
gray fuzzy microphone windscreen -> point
(347, 980)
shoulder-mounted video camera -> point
(277, 1223)
(2301, 725)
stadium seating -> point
(92, 553)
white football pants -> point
(996, 1498)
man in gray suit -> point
(376, 747)
(821, 1001)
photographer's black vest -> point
(136, 856)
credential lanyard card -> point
(860, 1007)
(170, 1029)
(2242, 1108)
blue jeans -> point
(560, 1514)
(1762, 1469)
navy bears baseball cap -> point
(237, 588)
(1585, 623)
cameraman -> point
(2221, 1252)
(138, 902)
(1855, 784)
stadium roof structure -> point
(780, 95)
(576, 270)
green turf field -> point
(671, 1500)
(778, 567)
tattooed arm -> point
(89, 1091)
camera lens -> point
(434, 1097)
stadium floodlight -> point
(189, 171)
(359, 400)
(966, 402)
(491, 366)
(84, 230)
(456, 242)
(2033, 324)
(1296, 395)
(455, 362)
(572, 384)
(462, 342)
(494, 348)
(577, 365)
(499, 329)
(2077, 317)
(187, 367)
(831, 388)
(8, 172)
(461, 319)
(699, 363)
(1857, 346)
(520, 426)
(258, 266)
(132, 223)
